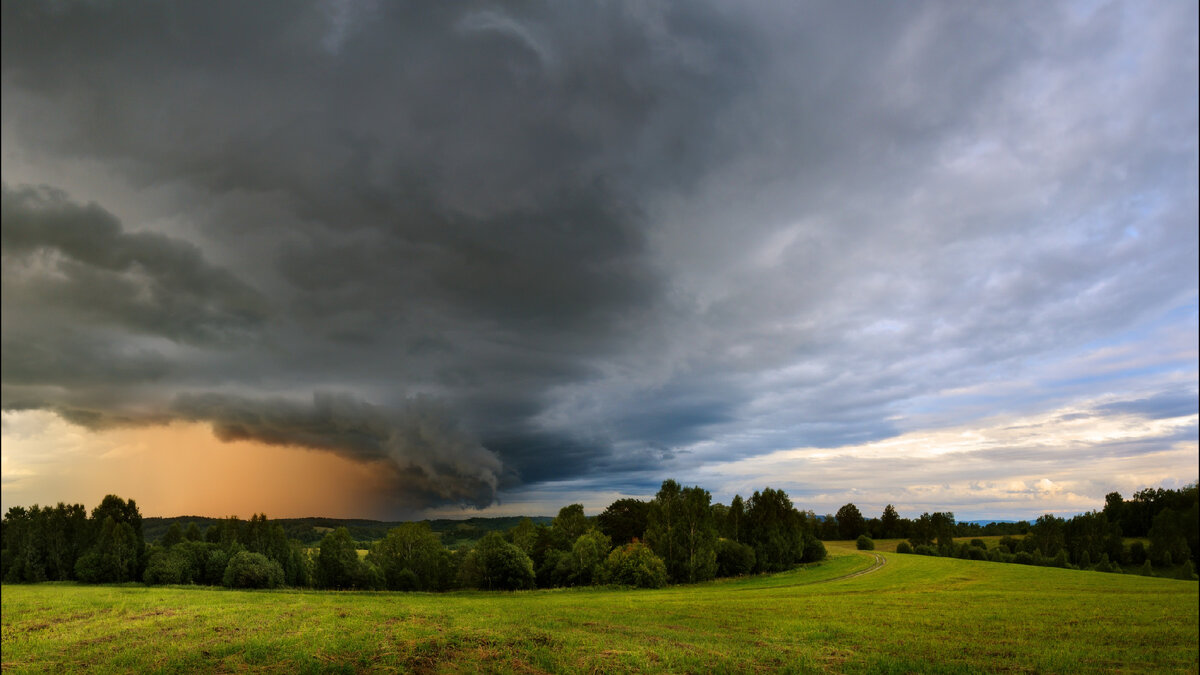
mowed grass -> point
(914, 614)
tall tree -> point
(624, 520)
(890, 522)
(775, 529)
(662, 527)
(850, 522)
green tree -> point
(850, 522)
(775, 529)
(587, 556)
(337, 565)
(735, 520)
(624, 520)
(524, 535)
(662, 528)
(865, 543)
(173, 536)
(411, 548)
(734, 559)
(252, 570)
(890, 522)
(495, 564)
(568, 525)
(636, 565)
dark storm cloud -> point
(609, 241)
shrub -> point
(164, 568)
(252, 570)
(1137, 553)
(1186, 571)
(814, 550)
(634, 565)
(734, 559)
(1008, 543)
(976, 553)
(904, 547)
(865, 543)
(979, 543)
(925, 549)
(1023, 558)
(1147, 569)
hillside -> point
(914, 613)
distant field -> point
(915, 613)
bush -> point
(252, 570)
(164, 568)
(976, 553)
(814, 550)
(1009, 543)
(865, 543)
(1023, 558)
(1137, 553)
(734, 559)
(978, 543)
(904, 547)
(1186, 571)
(634, 565)
(925, 549)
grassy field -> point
(914, 613)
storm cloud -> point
(489, 247)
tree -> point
(524, 535)
(890, 522)
(173, 536)
(587, 556)
(409, 557)
(193, 532)
(850, 522)
(734, 559)
(495, 564)
(735, 520)
(114, 558)
(636, 565)
(568, 525)
(337, 564)
(624, 520)
(252, 570)
(1047, 534)
(680, 530)
(775, 529)
(865, 543)
(662, 523)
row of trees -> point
(1170, 519)
(680, 536)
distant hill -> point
(310, 530)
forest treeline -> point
(1170, 519)
(679, 536)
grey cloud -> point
(64, 255)
(610, 240)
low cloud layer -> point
(494, 248)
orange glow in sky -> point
(180, 469)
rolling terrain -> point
(855, 612)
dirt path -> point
(880, 561)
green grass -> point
(916, 613)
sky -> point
(401, 260)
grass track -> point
(914, 614)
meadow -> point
(913, 613)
